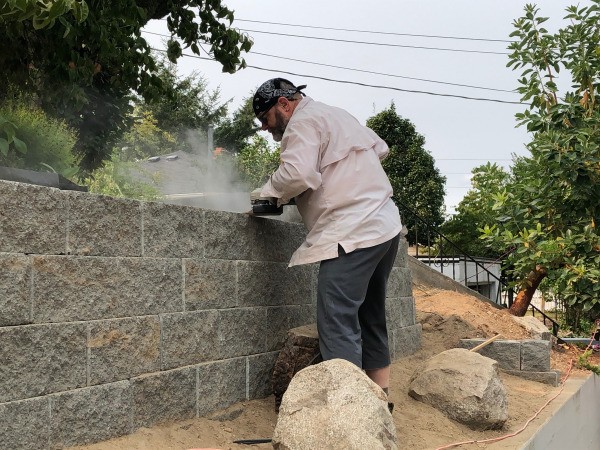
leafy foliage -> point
(257, 161)
(233, 133)
(145, 139)
(411, 169)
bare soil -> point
(446, 317)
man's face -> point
(274, 121)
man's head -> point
(274, 104)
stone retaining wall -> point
(117, 314)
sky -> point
(460, 134)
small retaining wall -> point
(117, 314)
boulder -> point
(333, 405)
(535, 328)
(301, 349)
(465, 386)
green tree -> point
(145, 139)
(83, 59)
(233, 133)
(550, 211)
(257, 161)
(417, 183)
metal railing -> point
(484, 279)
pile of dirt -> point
(446, 317)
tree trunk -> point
(521, 303)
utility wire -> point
(374, 32)
(374, 43)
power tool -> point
(262, 206)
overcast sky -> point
(460, 134)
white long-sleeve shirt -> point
(331, 164)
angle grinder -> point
(262, 206)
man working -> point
(330, 165)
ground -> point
(446, 317)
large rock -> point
(536, 329)
(300, 350)
(465, 386)
(333, 405)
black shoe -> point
(391, 407)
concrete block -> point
(210, 284)
(33, 219)
(221, 384)
(15, 285)
(506, 352)
(400, 312)
(163, 397)
(281, 319)
(242, 331)
(269, 284)
(41, 359)
(89, 415)
(404, 341)
(189, 338)
(551, 377)
(103, 226)
(399, 283)
(228, 235)
(275, 240)
(260, 374)
(402, 255)
(68, 288)
(172, 231)
(123, 348)
(535, 355)
(24, 425)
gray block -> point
(228, 235)
(24, 425)
(506, 352)
(41, 359)
(123, 348)
(260, 374)
(221, 384)
(189, 338)
(281, 319)
(405, 341)
(242, 331)
(69, 288)
(270, 284)
(402, 255)
(275, 240)
(15, 286)
(163, 397)
(399, 283)
(91, 415)
(551, 377)
(210, 284)
(33, 219)
(535, 355)
(103, 226)
(172, 231)
(400, 312)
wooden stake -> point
(483, 344)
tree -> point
(257, 160)
(416, 181)
(550, 211)
(233, 133)
(83, 59)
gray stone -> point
(283, 318)
(536, 329)
(32, 219)
(404, 341)
(463, 385)
(260, 371)
(229, 235)
(15, 278)
(221, 384)
(189, 338)
(41, 359)
(210, 284)
(91, 415)
(338, 397)
(24, 425)
(551, 377)
(172, 231)
(506, 352)
(103, 226)
(535, 355)
(276, 240)
(69, 288)
(242, 331)
(400, 312)
(402, 255)
(123, 348)
(163, 397)
(399, 283)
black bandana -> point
(268, 93)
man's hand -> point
(255, 195)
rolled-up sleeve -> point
(299, 167)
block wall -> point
(118, 314)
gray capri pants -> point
(351, 295)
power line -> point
(364, 71)
(375, 43)
(375, 32)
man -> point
(330, 165)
